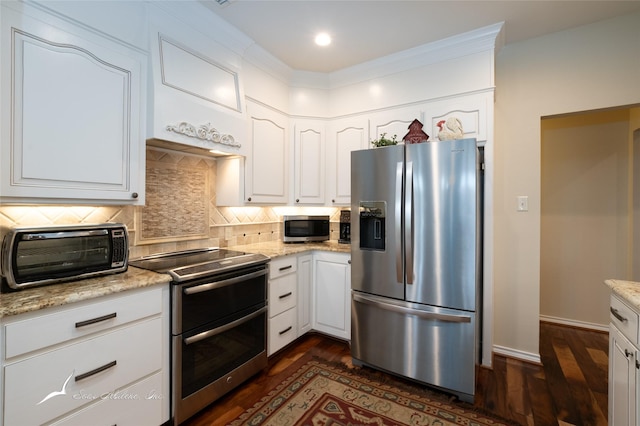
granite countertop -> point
(33, 299)
(275, 249)
(627, 290)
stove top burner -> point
(192, 264)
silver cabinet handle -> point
(96, 320)
(95, 371)
(210, 333)
(285, 330)
(616, 314)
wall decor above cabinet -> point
(73, 112)
(197, 99)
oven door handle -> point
(210, 333)
(218, 284)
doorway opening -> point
(590, 212)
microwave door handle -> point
(398, 224)
(408, 223)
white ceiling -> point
(364, 30)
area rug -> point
(322, 394)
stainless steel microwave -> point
(298, 229)
(34, 256)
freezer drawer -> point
(432, 345)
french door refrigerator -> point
(416, 262)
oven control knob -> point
(229, 380)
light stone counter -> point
(33, 299)
(627, 290)
(275, 249)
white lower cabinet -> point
(624, 365)
(114, 372)
(305, 281)
(282, 295)
(331, 294)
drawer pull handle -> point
(95, 371)
(285, 330)
(284, 268)
(286, 295)
(96, 320)
(616, 314)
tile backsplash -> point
(174, 197)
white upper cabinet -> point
(196, 99)
(309, 162)
(72, 112)
(474, 112)
(344, 135)
(267, 172)
(394, 122)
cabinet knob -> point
(249, 199)
(627, 353)
(134, 195)
(297, 200)
(333, 201)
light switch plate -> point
(523, 203)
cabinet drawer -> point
(282, 266)
(45, 330)
(282, 330)
(136, 405)
(624, 318)
(282, 294)
(130, 352)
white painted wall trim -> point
(574, 323)
(514, 353)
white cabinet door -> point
(267, 176)
(331, 291)
(394, 122)
(73, 129)
(622, 379)
(309, 162)
(344, 136)
(473, 111)
(305, 278)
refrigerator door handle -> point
(398, 224)
(408, 223)
(409, 311)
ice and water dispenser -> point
(372, 225)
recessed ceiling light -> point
(323, 39)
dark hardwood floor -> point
(569, 388)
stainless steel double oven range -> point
(218, 324)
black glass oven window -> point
(59, 257)
(208, 360)
(212, 305)
(306, 228)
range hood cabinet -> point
(196, 101)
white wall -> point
(585, 222)
(590, 67)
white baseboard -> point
(574, 323)
(517, 354)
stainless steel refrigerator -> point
(416, 253)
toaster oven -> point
(34, 256)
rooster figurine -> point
(451, 128)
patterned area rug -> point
(320, 394)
